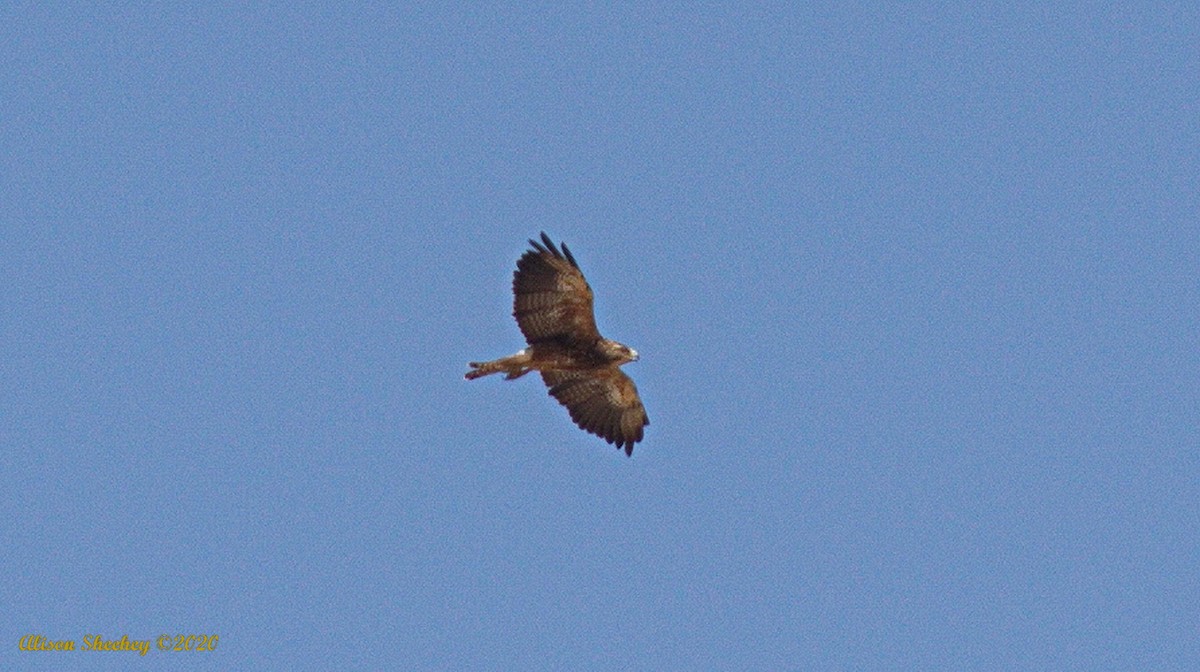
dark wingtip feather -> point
(548, 245)
(570, 257)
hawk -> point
(553, 306)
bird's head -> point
(618, 352)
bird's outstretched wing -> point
(601, 401)
(551, 299)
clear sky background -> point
(915, 287)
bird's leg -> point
(513, 366)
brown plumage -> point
(552, 303)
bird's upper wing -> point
(551, 300)
(601, 401)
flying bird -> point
(552, 303)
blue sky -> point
(915, 289)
